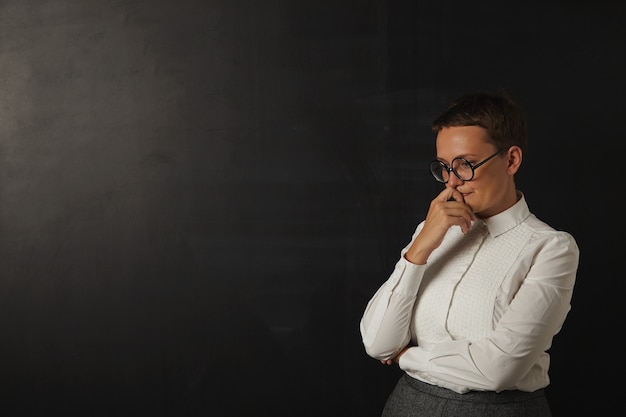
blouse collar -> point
(509, 218)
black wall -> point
(197, 198)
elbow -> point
(380, 352)
(503, 379)
(374, 352)
(384, 343)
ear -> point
(514, 156)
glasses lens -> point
(439, 171)
(463, 169)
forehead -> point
(461, 140)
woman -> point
(483, 286)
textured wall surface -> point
(197, 198)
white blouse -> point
(482, 313)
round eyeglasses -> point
(461, 167)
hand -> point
(446, 210)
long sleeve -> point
(385, 322)
(483, 312)
(519, 342)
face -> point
(492, 190)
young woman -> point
(472, 306)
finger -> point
(464, 223)
(451, 194)
(446, 195)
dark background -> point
(197, 198)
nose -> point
(453, 180)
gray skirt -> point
(414, 398)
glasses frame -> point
(449, 169)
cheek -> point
(478, 196)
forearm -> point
(385, 325)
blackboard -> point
(197, 198)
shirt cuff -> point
(409, 279)
(414, 359)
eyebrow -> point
(467, 156)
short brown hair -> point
(498, 113)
